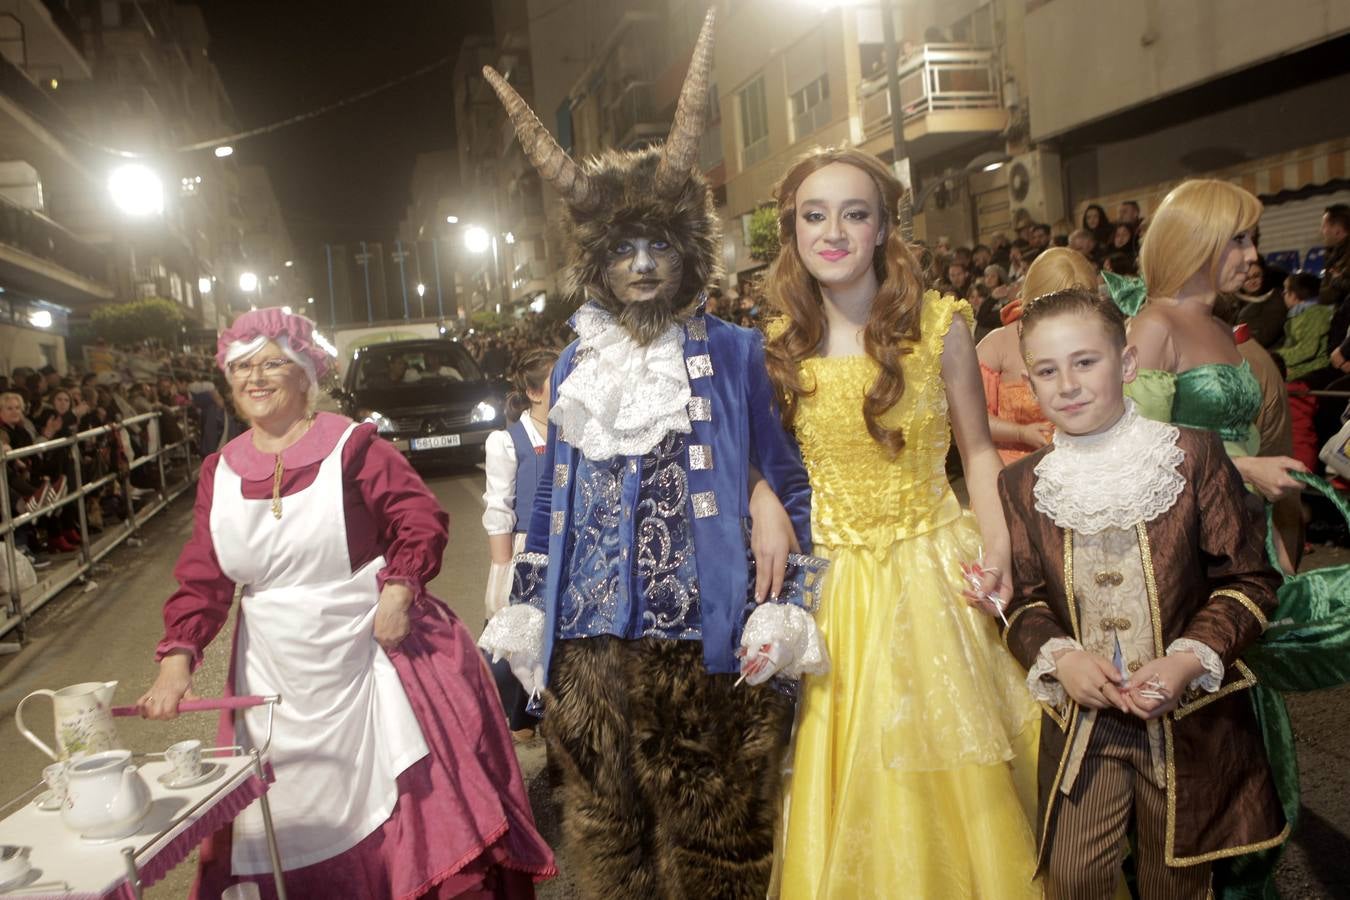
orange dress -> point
(1012, 402)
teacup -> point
(185, 758)
(57, 780)
(13, 862)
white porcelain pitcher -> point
(84, 722)
(107, 797)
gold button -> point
(1135, 666)
(1112, 578)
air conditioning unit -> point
(1035, 185)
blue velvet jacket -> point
(735, 426)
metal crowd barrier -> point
(17, 606)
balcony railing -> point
(39, 236)
(633, 118)
(935, 78)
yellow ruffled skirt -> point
(913, 771)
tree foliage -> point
(154, 318)
(764, 234)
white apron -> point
(344, 729)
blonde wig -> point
(1057, 269)
(1189, 231)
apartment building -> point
(1138, 96)
(1008, 107)
(47, 272)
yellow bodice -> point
(861, 495)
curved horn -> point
(691, 114)
(551, 160)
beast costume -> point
(1132, 544)
(636, 556)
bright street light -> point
(136, 190)
(476, 239)
(309, 299)
(421, 289)
(510, 238)
(452, 220)
(223, 151)
(204, 285)
(288, 263)
(248, 282)
(40, 318)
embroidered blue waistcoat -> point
(735, 425)
(529, 472)
(654, 591)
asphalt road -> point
(109, 632)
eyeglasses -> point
(270, 368)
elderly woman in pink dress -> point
(395, 774)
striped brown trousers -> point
(1116, 790)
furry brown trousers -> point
(670, 776)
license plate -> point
(435, 443)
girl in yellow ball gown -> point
(913, 768)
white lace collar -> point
(1126, 475)
(621, 398)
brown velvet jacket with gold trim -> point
(1208, 580)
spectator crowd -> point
(42, 405)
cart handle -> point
(206, 705)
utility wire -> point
(322, 110)
(74, 134)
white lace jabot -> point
(621, 398)
(1126, 475)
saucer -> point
(16, 880)
(47, 802)
(209, 771)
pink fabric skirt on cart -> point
(462, 826)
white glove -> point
(781, 638)
(516, 633)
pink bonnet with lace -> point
(293, 333)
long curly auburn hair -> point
(892, 324)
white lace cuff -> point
(1041, 679)
(516, 634)
(1213, 675)
(781, 639)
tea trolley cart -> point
(65, 865)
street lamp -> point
(248, 282)
(452, 220)
(421, 289)
(223, 151)
(476, 239)
(204, 285)
(990, 161)
(136, 190)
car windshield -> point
(379, 367)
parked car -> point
(428, 397)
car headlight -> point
(483, 412)
(383, 424)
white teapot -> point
(107, 797)
(84, 722)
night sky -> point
(345, 175)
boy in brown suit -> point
(1140, 579)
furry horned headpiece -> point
(656, 192)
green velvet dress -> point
(1225, 399)
(1217, 397)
